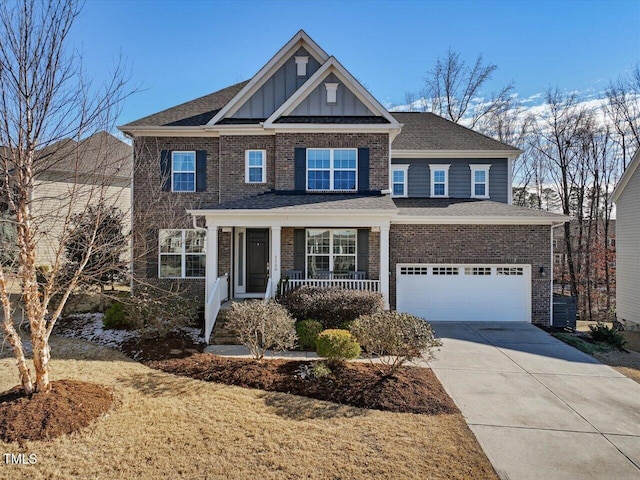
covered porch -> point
(253, 254)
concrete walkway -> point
(540, 408)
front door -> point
(257, 255)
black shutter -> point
(165, 170)
(300, 169)
(299, 250)
(152, 255)
(363, 251)
(201, 170)
(363, 169)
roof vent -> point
(301, 65)
(332, 92)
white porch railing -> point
(219, 293)
(268, 293)
(346, 283)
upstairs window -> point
(480, 181)
(399, 180)
(183, 171)
(332, 169)
(439, 180)
(182, 254)
(255, 170)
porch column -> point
(384, 264)
(212, 258)
(274, 271)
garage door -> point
(465, 292)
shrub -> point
(394, 337)
(115, 317)
(331, 306)
(337, 346)
(601, 333)
(262, 325)
(308, 331)
(156, 313)
(320, 370)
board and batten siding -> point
(628, 253)
(347, 104)
(419, 176)
(277, 89)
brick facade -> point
(378, 144)
(508, 244)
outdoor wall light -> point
(542, 272)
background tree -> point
(46, 106)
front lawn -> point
(167, 426)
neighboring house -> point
(627, 199)
(69, 175)
(301, 173)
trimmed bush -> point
(601, 333)
(331, 306)
(308, 331)
(262, 325)
(115, 317)
(337, 346)
(394, 337)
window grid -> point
(480, 181)
(182, 254)
(477, 270)
(414, 270)
(330, 251)
(399, 181)
(439, 180)
(445, 270)
(510, 271)
(255, 166)
(183, 171)
(332, 169)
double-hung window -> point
(255, 170)
(330, 251)
(182, 254)
(183, 171)
(332, 169)
(480, 181)
(439, 180)
(399, 180)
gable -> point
(278, 88)
(347, 103)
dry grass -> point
(165, 426)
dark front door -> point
(257, 255)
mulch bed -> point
(68, 407)
(410, 390)
(176, 344)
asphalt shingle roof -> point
(428, 131)
(320, 201)
(457, 207)
(193, 113)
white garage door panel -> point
(465, 297)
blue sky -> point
(179, 50)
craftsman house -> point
(300, 173)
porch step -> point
(221, 334)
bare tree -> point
(454, 89)
(46, 108)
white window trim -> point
(173, 170)
(246, 166)
(479, 168)
(331, 255)
(331, 170)
(405, 169)
(183, 254)
(437, 167)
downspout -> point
(552, 270)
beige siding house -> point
(627, 199)
(73, 176)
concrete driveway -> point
(540, 408)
